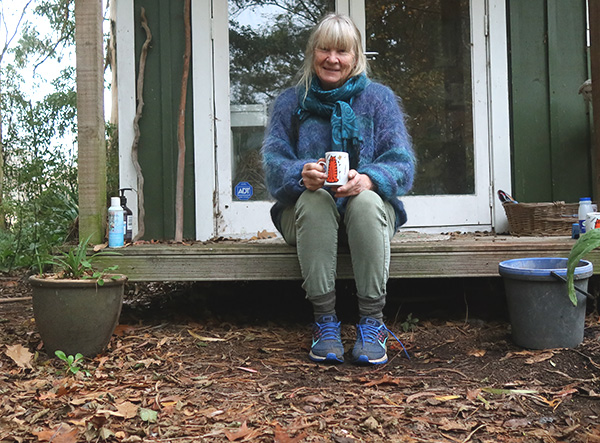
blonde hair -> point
(333, 31)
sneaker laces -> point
(369, 333)
(328, 330)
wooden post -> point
(90, 120)
(594, 13)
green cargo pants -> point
(313, 226)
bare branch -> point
(181, 125)
(9, 40)
(136, 126)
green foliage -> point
(410, 323)
(59, 17)
(264, 59)
(112, 161)
(71, 362)
(74, 263)
(39, 198)
(38, 129)
(584, 244)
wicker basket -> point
(541, 218)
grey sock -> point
(323, 304)
(371, 307)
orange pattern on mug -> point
(332, 170)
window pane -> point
(424, 55)
(266, 49)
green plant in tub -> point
(586, 243)
(76, 264)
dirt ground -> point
(226, 362)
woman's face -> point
(333, 66)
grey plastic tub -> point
(541, 314)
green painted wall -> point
(550, 128)
(158, 148)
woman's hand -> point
(357, 183)
(313, 175)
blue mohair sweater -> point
(386, 153)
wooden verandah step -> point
(413, 255)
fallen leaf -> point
(385, 380)
(476, 352)
(202, 338)
(122, 330)
(315, 399)
(127, 409)
(148, 415)
(263, 235)
(419, 394)
(539, 358)
(20, 355)
(109, 412)
(105, 433)
(62, 434)
(239, 434)
(508, 391)
(517, 354)
(566, 391)
(516, 423)
(472, 394)
(456, 425)
(147, 362)
(281, 436)
(100, 247)
(210, 412)
(447, 397)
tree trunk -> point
(90, 120)
(2, 219)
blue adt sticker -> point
(243, 190)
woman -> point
(335, 107)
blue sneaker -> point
(371, 342)
(327, 341)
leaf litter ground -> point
(220, 362)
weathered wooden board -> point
(413, 256)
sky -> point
(37, 82)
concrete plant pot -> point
(76, 316)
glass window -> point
(423, 52)
(266, 49)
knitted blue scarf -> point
(335, 104)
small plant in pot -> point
(77, 306)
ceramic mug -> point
(592, 221)
(336, 166)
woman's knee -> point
(365, 203)
(317, 204)
(317, 198)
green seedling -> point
(72, 363)
(410, 323)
